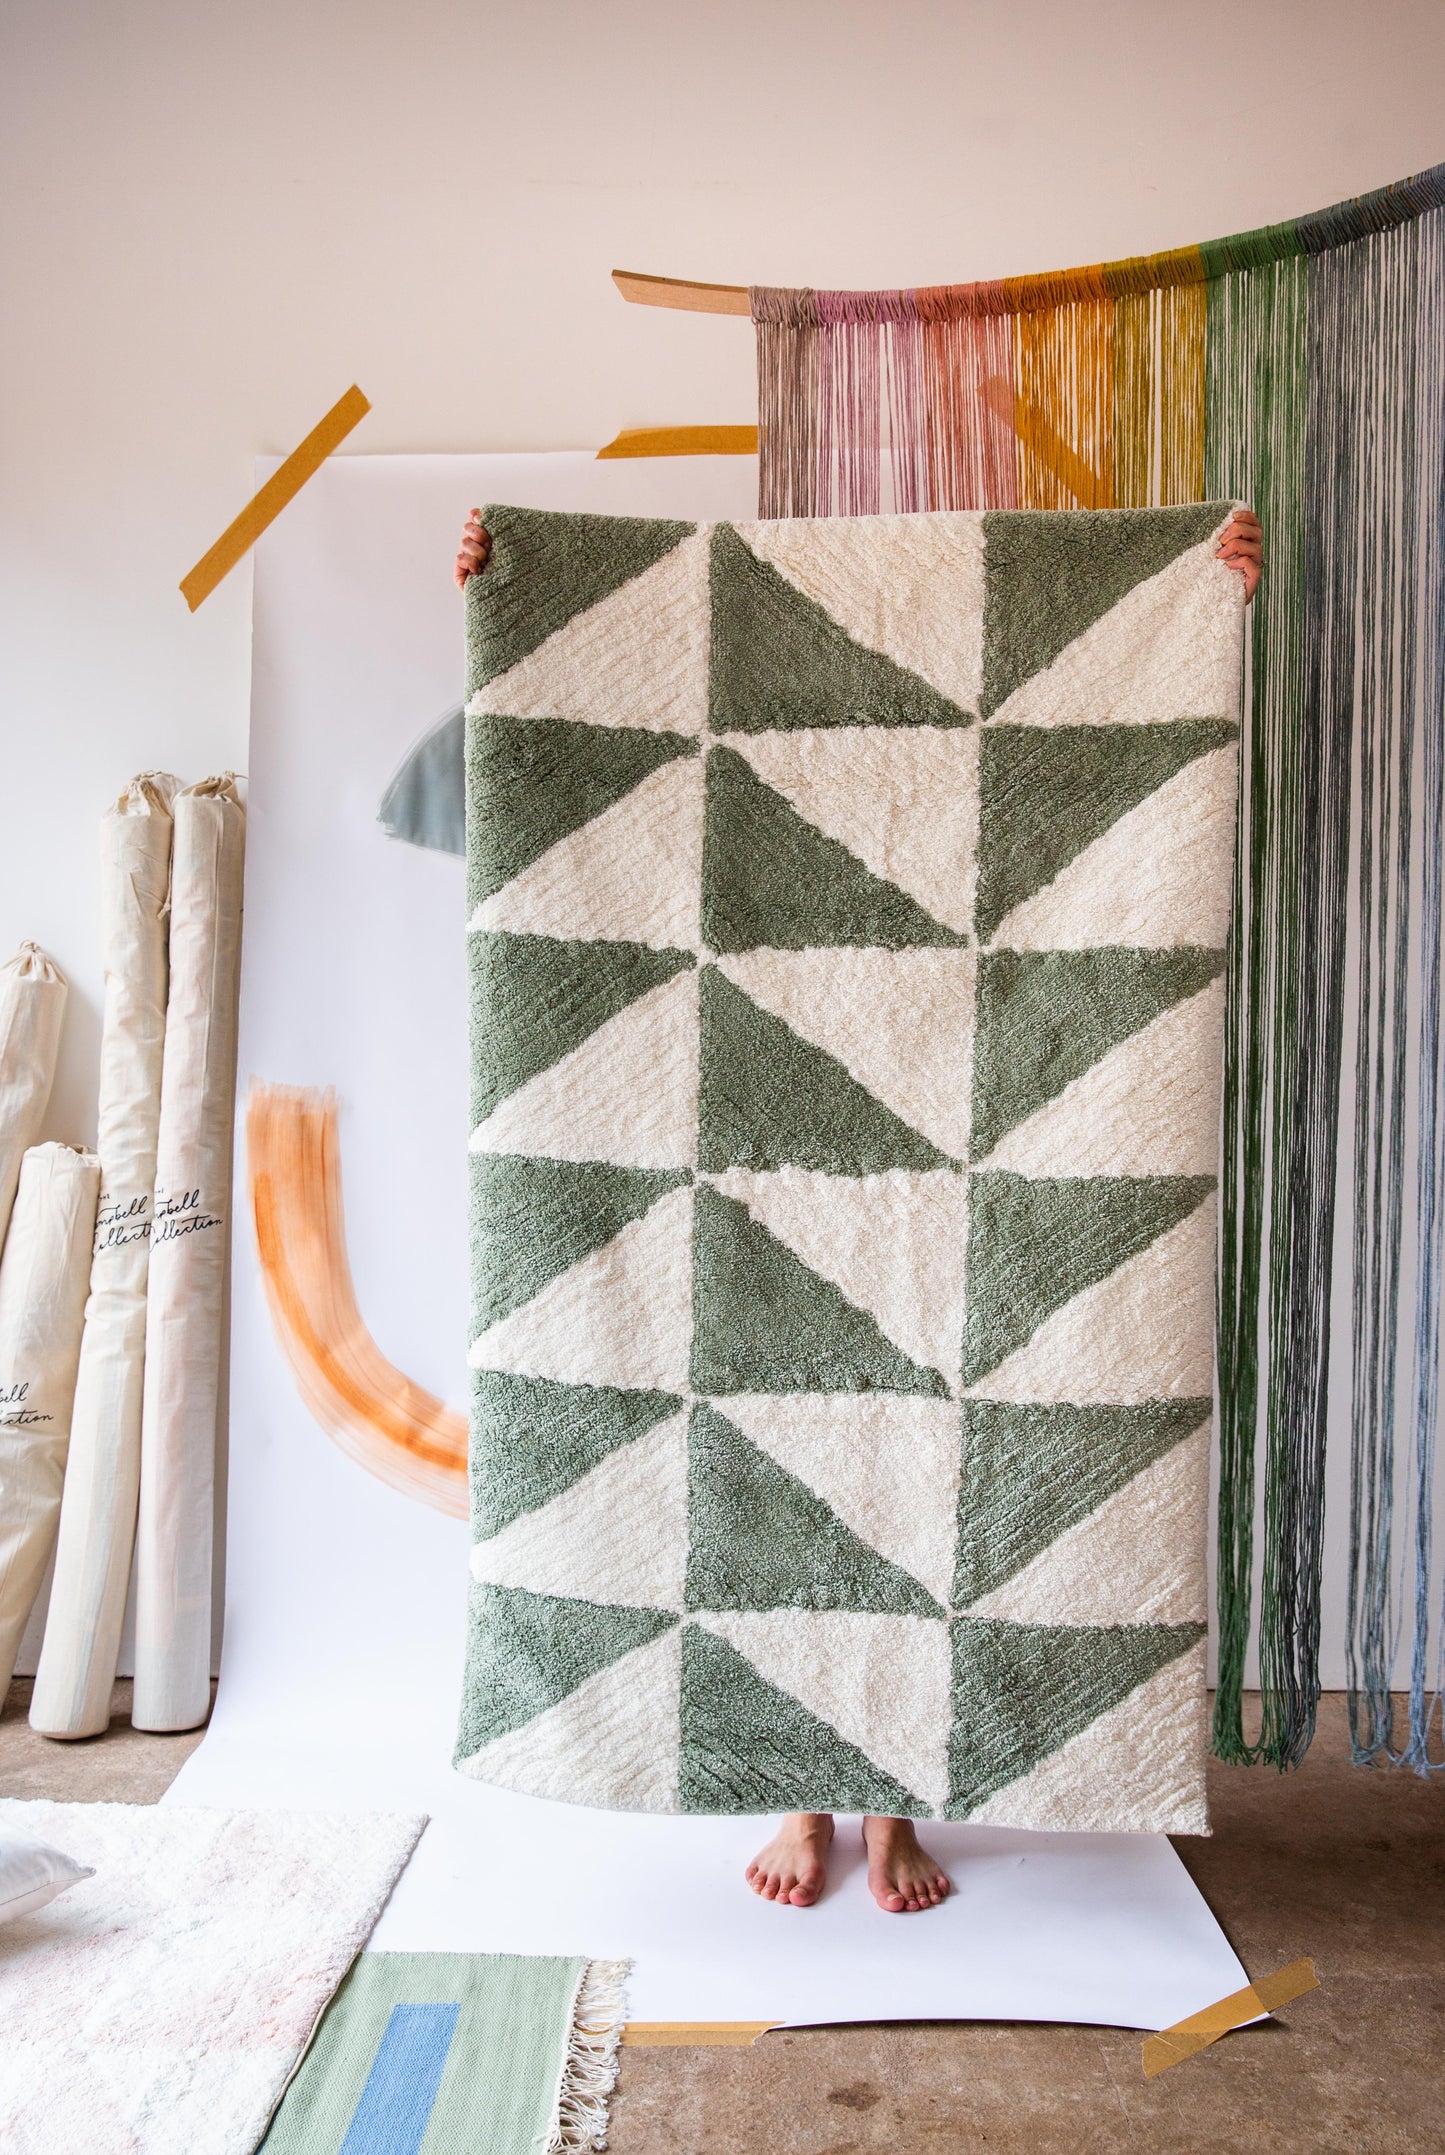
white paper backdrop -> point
(341, 1669)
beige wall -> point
(217, 217)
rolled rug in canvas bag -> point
(32, 1004)
(188, 1260)
(97, 1514)
(43, 1277)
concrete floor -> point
(123, 1766)
(1345, 1866)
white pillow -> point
(32, 1874)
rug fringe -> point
(589, 2069)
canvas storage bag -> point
(97, 1516)
(186, 1281)
(32, 1004)
(42, 1305)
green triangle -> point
(531, 1219)
(758, 1538)
(773, 881)
(763, 1322)
(1034, 1245)
(749, 1747)
(780, 661)
(1020, 1691)
(771, 1099)
(1046, 792)
(1047, 578)
(546, 567)
(525, 1652)
(534, 999)
(1047, 1016)
(531, 781)
(533, 1438)
(1030, 1473)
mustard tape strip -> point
(267, 503)
(1201, 2029)
(682, 292)
(683, 441)
(673, 2034)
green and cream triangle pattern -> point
(847, 910)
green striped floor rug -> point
(458, 2054)
(849, 902)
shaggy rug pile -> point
(159, 2007)
(848, 910)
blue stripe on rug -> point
(396, 2103)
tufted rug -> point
(848, 911)
(159, 2007)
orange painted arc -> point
(391, 1426)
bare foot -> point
(902, 1877)
(794, 1865)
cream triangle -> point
(1145, 1332)
(1150, 1106)
(617, 1536)
(903, 799)
(1157, 878)
(1137, 1559)
(1169, 649)
(621, 1316)
(613, 1742)
(628, 1095)
(900, 1022)
(910, 587)
(887, 1464)
(882, 1682)
(639, 657)
(894, 1244)
(1139, 1768)
(631, 875)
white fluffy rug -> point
(159, 2007)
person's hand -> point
(1241, 547)
(473, 553)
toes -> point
(806, 1891)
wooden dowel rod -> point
(646, 291)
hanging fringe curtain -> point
(1302, 368)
